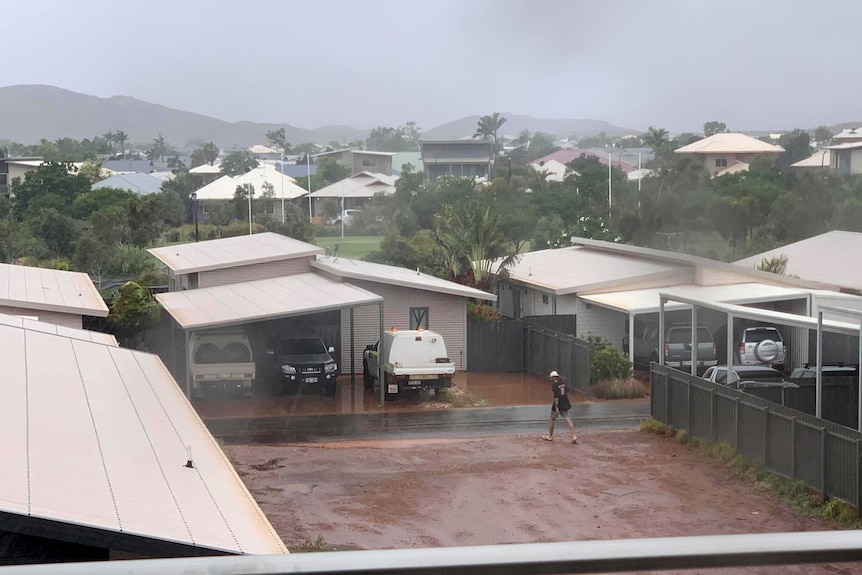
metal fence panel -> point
(495, 346)
(822, 454)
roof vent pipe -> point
(189, 463)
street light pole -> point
(308, 175)
(282, 185)
(610, 185)
(194, 198)
(250, 218)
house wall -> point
(56, 318)
(711, 277)
(376, 163)
(856, 161)
(254, 272)
(709, 162)
(447, 315)
(597, 320)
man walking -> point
(560, 407)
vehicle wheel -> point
(329, 389)
(766, 350)
(367, 378)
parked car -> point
(739, 375)
(809, 371)
(346, 215)
(298, 360)
(412, 360)
(761, 346)
(676, 345)
(221, 360)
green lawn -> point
(354, 247)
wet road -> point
(449, 423)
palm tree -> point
(120, 137)
(487, 127)
(110, 137)
(659, 140)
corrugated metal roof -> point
(95, 435)
(141, 184)
(826, 258)
(819, 159)
(205, 169)
(262, 299)
(569, 270)
(232, 252)
(729, 143)
(647, 300)
(82, 334)
(381, 273)
(223, 188)
(361, 185)
(50, 290)
(845, 146)
(268, 174)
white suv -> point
(761, 346)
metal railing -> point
(667, 553)
(823, 455)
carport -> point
(732, 311)
(262, 300)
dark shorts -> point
(559, 413)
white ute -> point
(411, 359)
(221, 360)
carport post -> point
(632, 337)
(661, 301)
(859, 371)
(188, 339)
(380, 371)
(729, 337)
(352, 351)
(694, 340)
(818, 408)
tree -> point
(775, 265)
(239, 162)
(488, 126)
(159, 149)
(56, 230)
(53, 183)
(712, 128)
(278, 140)
(541, 144)
(133, 311)
(796, 146)
(93, 256)
(206, 154)
(120, 137)
(658, 139)
(385, 139)
(413, 133)
(822, 134)
(110, 138)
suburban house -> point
(623, 158)
(728, 152)
(554, 170)
(11, 168)
(846, 158)
(52, 296)
(819, 258)
(359, 160)
(104, 458)
(463, 158)
(848, 136)
(355, 191)
(264, 153)
(613, 290)
(140, 184)
(270, 186)
(271, 283)
(819, 160)
(400, 159)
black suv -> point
(302, 359)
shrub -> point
(606, 361)
(629, 388)
(480, 312)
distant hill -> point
(30, 113)
(561, 128)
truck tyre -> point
(329, 389)
(766, 350)
(367, 378)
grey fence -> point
(521, 346)
(840, 398)
(822, 454)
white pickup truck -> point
(221, 361)
(411, 359)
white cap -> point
(554, 374)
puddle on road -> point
(496, 389)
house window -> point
(205, 208)
(369, 163)
(721, 162)
(4, 184)
(269, 208)
(545, 299)
(418, 317)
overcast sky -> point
(756, 65)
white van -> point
(412, 359)
(221, 360)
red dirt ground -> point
(517, 489)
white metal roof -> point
(223, 188)
(825, 258)
(70, 332)
(819, 159)
(381, 273)
(647, 300)
(577, 268)
(205, 169)
(95, 435)
(50, 290)
(262, 299)
(845, 146)
(729, 143)
(282, 184)
(232, 252)
(361, 185)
